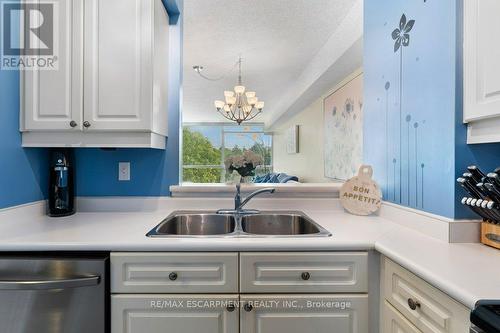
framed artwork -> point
(292, 140)
(343, 130)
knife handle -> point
(469, 188)
(477, 174)
(479, 211)
(495, 194)
(494, 178)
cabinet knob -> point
(86, 124)
(73, 123)
(248, 307)
(305, 276)
(172, 276)
(230, 308)
(413, 304)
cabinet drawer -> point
(394, 322)
(304, 313)
(304, 272)
(174, 273)
(174, 313)
(435, 312)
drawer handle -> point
(73, 123)
(230, 308)
(172, 276)
(248, 307)
(86, 124)
(305, 276)
(413, 304)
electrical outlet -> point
(124, 171)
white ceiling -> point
(277, 39)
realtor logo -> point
(29, 35)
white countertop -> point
(467, 272)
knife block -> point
(490, 234)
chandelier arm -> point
(232, 113)
(225, 116)
(231, 109)
(255, 115)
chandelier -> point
(238, 105)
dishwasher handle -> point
(76, 282)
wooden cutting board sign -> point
(360, 195)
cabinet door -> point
(174, 314)
(52, 99)
(306, 313)
(118, 64)
(327, 272)
(394, 322)
(481, 54)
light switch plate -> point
(124, 171)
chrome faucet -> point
(238, 204)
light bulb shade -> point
(247, 108)
(259, 105)
(226, 108)
(250, 94)
(239, 89)
(230, 100)
(219, 104)
(228, 93)
(252, 100)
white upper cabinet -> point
(482, 70)
(112, 84)
(53, 98)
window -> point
(206, 146)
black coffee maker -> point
(61, 183)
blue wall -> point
(152, 171)
(23, 172)
(414, 136)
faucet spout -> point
(239, 204)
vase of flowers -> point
(244, 164)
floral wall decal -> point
(401, 37)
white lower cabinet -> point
(304, 313)
(394, 322)
(426, 307)
(192, 292)
(174, 314)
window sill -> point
(292, 190)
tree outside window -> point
(205, 147)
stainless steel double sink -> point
(263, 224)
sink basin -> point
(282, 224)
(194, 224)
(210, 224)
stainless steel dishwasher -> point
(53, 294)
